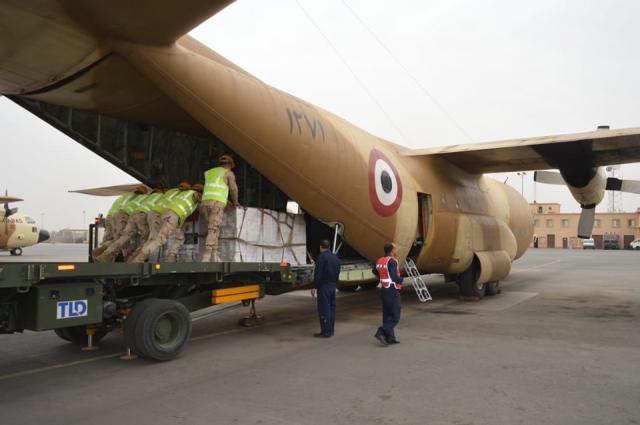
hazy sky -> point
(502, 69)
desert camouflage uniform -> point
(212, 210)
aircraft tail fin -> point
(143, 21)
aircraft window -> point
(30, 220)
(34, 229)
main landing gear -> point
(469, 286)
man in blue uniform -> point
(388, 270)
(325, 279)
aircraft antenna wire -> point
(409, 74)
(353, 73)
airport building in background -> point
(555, 229)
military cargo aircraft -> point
(17, 230)
(123, 79)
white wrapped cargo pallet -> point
(261, 235)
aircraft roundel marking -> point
(385, 187)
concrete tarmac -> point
(560, 345)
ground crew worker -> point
(388, 270)
(137, 224)
(117, 220)
(219, 186)
(178, 204)
(154, 220)
(325, 279)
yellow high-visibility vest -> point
(215, 188)
(118, 203)
(183, 204)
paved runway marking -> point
(110, 356)
(535, 267)
(57, 366)
(505, 300)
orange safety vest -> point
(382, 266)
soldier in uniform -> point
(388, 270)
(140, 206)
(178, 204)
(220, 184)
(117, 219)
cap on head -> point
(198, 186)
(184, 186)
(142, 189)
(325, 244)
(227, 160)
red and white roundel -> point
(385, 187)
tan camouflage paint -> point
(15, 232)
(315, 157)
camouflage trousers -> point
(170, 227)
(212, 213)
(114, 227)
(137, 224)
(154, 223)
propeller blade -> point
(585, 225)
(548, 177)
(629, 186)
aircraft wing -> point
(143, 21)
(109, 190)
(595, 148)
(9, 199)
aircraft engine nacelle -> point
(593, 192)
(493, 266)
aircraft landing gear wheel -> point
(16, 251)
(468, 286)
(160, 329)
(369, 286)
(493, 288)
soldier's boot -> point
(138, 258)
(99, 250)
(129, 258)
(170, 258)
(215, 257)
(105, 257)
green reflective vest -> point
(122, 199)
(145, 203)
(183, 204)
(215, 188)
(163, 202)
(130, 206)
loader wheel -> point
(16, 251)
(369, 286)
(62, 334)
(352, 288)
(467, 283)
(493, 288)
(78, 335)
(130, 323)
(162, 329)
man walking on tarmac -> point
(388, 270)
(219, 186)
(177, 204)
(325, 280)
(117, 219)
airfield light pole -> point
(521, 174)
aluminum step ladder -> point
(418, 284)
